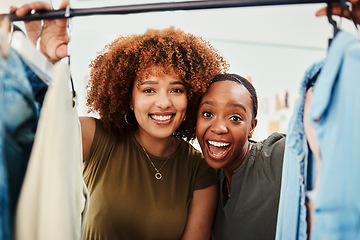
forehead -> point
(228, 92)
(158, 72)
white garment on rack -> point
(41, 65)
(53, 202)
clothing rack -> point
(156, 7)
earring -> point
(126, 120)
(184, 119)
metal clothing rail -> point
(156, 7)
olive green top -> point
(251, 211)
(127, 201)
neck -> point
(163, 147)
(229, 170)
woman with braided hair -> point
(249, 172)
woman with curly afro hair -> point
(146, 181)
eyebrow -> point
(150, 82)
(231, 104)
(177, 83)
(208, 102)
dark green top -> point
(251, 211)
(127, 202)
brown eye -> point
(177, 91)
(235, 118)
(148, 91)
(207, 114)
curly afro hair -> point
(130, 58)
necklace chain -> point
(227, 187)
(158, 175)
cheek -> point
(139, 105)
(140, 101)
(240, 136)
(184, 101)
(181, 103)
(200, 128)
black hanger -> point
(331, 20)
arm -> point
(201, 214)
(88, 127)
(336, 10)
(54, 38)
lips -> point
(217, 150)
(162, 119)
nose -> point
(163, 100)
(219, 126)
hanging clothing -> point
(335, 116)
(128, 202)
(292, 214)
(53, 202)
(18, 120)
(251, 210)
(4, 198)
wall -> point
(273, 45)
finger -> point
(58, 53)
(62, 51)
(25, 9)
(64, 4)
(13, 9)
(321, 12)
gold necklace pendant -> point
(158, 175)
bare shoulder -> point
(87, 122)
(88, 127)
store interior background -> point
(271, 45)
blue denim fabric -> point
(38, 86)
(291, 223)
(335, 115)
(4, 198)
(19, 116)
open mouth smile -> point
(218, 150)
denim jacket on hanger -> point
(291, 223)
(18, 119)
(335, 116)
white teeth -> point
(161, 118)
(218, 144)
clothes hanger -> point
(336, 28)
(349, 5)
(330, 19)
(332, 22)
(69, 29)
(35, 60)
(31, 55)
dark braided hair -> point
(242, 81)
